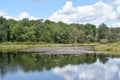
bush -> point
(103, 41)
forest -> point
(47, 31)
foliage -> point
(50, 32)
(103, 41)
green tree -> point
(103, 32)
(90, 32)
(4, 30)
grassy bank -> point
(15, 46)
(112, 47)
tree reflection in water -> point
(10, 62)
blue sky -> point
(68, 11)
(37, 8)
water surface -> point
(31, 66)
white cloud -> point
(9, 17)
(96, 13)
(115, 2)
(23, 15)
(3, 13)
(117, 24)
(20, 16)
(26, 15)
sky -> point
(67, 11)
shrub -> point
(103, 41)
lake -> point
(34, 66)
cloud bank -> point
(95, 13)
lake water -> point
(31, 66)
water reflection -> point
(31, 66)
(96, 71)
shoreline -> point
(98, 48)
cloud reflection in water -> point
(96, 71)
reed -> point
(113, 47)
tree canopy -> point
(52, 32)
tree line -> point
(51, 32)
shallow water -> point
(31, 66)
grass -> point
(112, 47)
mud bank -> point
(62, 50)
